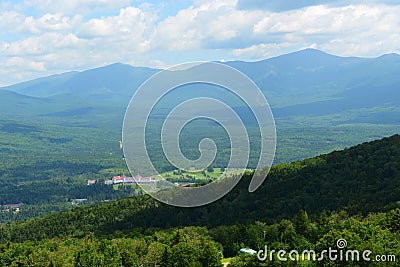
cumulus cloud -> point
(281, 5)
(72, 7)
(209, 24)
(131, 22)
(86, 34)
(286, 5)
(25, 63)
(261, 50)
(57, 22)
(260, 33)
(40, 45)
(361, 27)
(10, 20)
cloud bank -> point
(38, 38)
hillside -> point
(361, 179)
(198, 246)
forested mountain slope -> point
(199, 246)
(361, 179)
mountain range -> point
(307, 82)
(320, 102)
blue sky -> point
(42, 37)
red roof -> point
(118, 178)
(12, 205)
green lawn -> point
(188, 175)
(226, 261)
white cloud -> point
(261, 50)
(9, 20)
(42, 44)
(208, 24)
(76, 6)
(24, 63)
(19, 24)
(57, 22)
(285, 5)
(85, 34)
(350, 30)
(131, 22)
(323, 20)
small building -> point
(90, 182)
(118, 179)
(15, 208)
(78, 201)
(129, 180)
(144, 180)
(138, 180)
(12, 206)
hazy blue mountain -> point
(13, 103)
(96, 96)
(116, 79)
(311, 75)
(305, 83)
(43, 87)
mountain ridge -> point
(111, 76)
(302, 77)
(74, 81)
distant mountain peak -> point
(390, 56)
(312, 51)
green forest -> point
(201, 246)
(351, 194)
(45, 163)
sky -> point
(40, 38)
